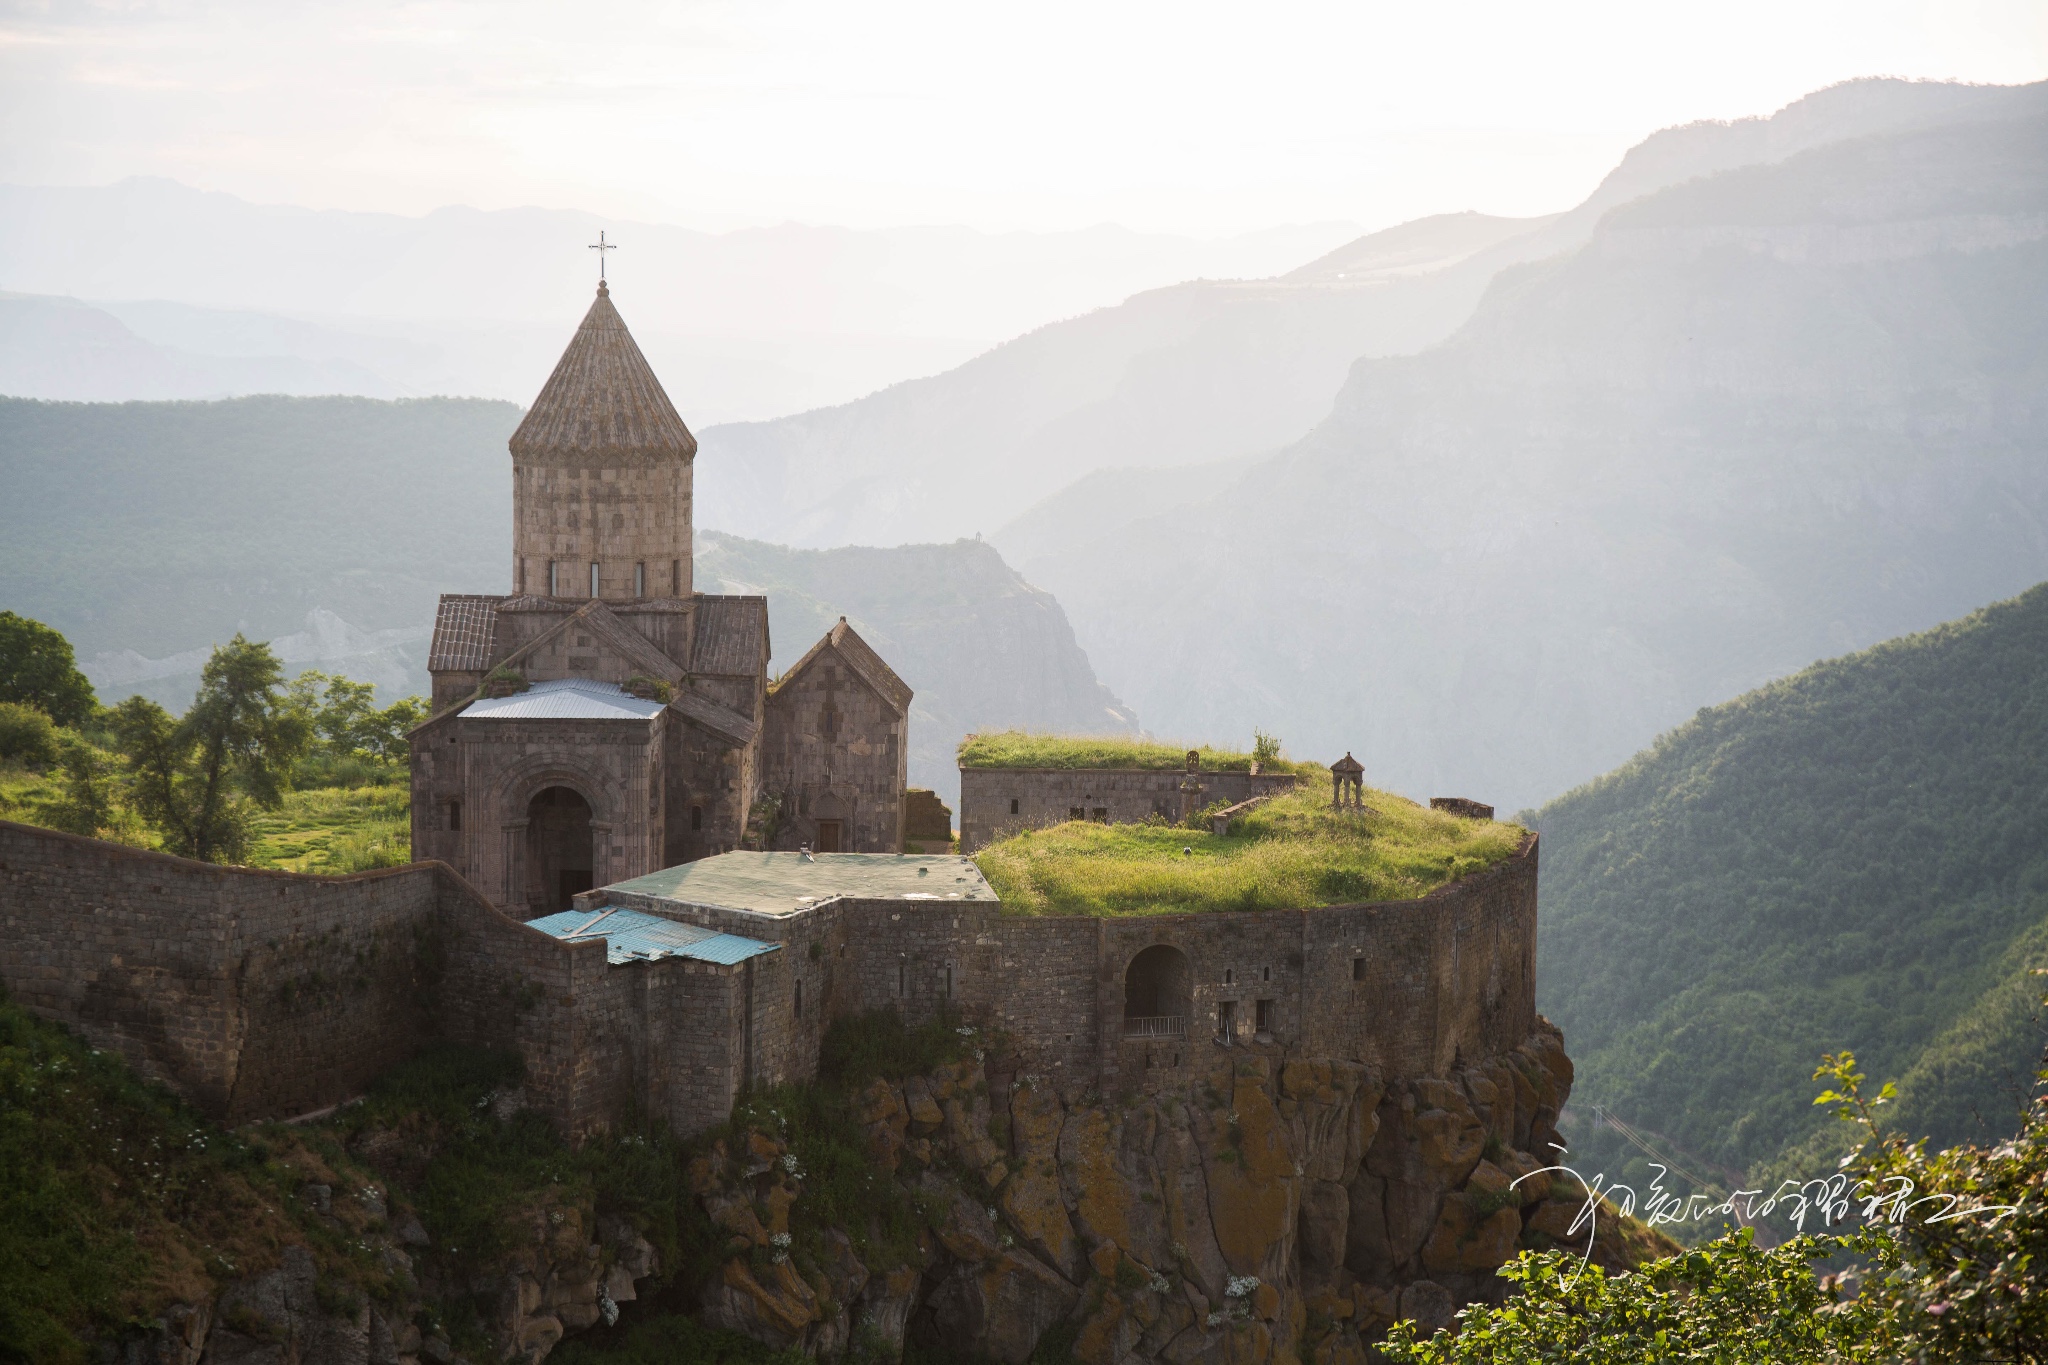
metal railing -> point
(1155, 1025)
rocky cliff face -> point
(1282, 1207)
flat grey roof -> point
(785, 883)
(566, 699)
(632, 936)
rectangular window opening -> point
(675, 578)
(639, 580)
(554, 583)
(1268, 974)
(1076, 813)
(949, 981)
(902, 979)
(799, 999)
(522, 574)
(593, 578)
(1262, 1017)
(1358, 969)
(1013, 805)
(1226, 1019)
(1100, 815)
(454, 815)
(696, 817)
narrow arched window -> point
(799, 999)
(554, 580)
(639, 580)
(675, 578)
(593, 578)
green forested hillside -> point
(1856, 856)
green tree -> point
(26, 736)
(1971, 1223)
(344, 715)
(37, 669)
(1730, 1302)
(195, 779)
(84, 803)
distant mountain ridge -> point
(1210, 370)
(1852, 857)
(1760, 417)
(148, 532)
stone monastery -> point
(628, 873)
(626, 722)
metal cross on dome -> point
(600, 246)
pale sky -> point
(1189, 116)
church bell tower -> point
(601, 470)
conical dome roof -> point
(603, 400)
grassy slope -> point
(1291, 852)
(333, 829)
(1029, 749)
(1852, 857)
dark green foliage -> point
(854, 1051)
(37, 669)
(670, 1340)
(346, 721)
(1852, 855)
(26, 736)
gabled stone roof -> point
(603, 401)
(862, 659)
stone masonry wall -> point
(267, 994)
(998, 802)
(1411, 988)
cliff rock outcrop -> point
(1276, 1207)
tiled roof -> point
(603, 399)
(633, 936)
(565, 699)
(464, 630)
(731, 637)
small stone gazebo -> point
(1347, 783)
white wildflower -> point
(780, 1240)
(1240, 1285)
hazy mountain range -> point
(149, 532)
(1759, 417)
(206, 295)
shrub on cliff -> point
(26, 736)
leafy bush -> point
(27, 736)
(856, 1050)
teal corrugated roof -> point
(633, 936)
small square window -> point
(1100, 815)
(1077, 813)
(1013, 805)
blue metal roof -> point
(565, 699)
(634, 936)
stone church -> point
(605, 720)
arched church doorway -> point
(558, 851)
(1156, 993)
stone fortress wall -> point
(998, 802)
(267, 994)
(260, 994)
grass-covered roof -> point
(1027, 749)
(1292, 852)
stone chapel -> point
(605, 720)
